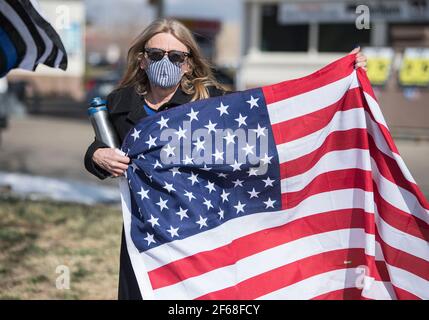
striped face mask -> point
(164, 73)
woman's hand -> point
(361, 59)
(110, 160)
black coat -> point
(126, 109)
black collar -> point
(130, 101)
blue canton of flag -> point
(199, 165)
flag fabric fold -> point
(289, 191)
(27, 39)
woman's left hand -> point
(361, 59)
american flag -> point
(27, 39)
(290, 191)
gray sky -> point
(208, 9)
(121, 11)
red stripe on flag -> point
(336, 141)
(404, 260)
(390, 170)
(353, 139)
(330, 181)
(302, 126)
(343, 294)
(332, 72)
(365, 83)
(402, 294)
(289, 274)
(399, 219)
(243, 247)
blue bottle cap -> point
(94, 110)
(97, 102)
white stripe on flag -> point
(311, 101)
(317, 285)
(342, 121)
(397, 196)
(263, 262)
(409, 282)
(332, 161)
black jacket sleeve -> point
(90, 165)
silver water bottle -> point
(99, 116)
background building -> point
(288, 39)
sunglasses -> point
(175, 56)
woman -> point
(165, 69)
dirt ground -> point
(45, 240)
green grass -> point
(38, 236)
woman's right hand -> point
(110, 160)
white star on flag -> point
(187, 160)
(260, 131)
(229, 138)
(162, 204)
(202, 222)
(181, 133)
(193, 115)
(223, 109)
(211, 126)
(268, 182)
(153, 221)
(224, 196)
(199, 144)
(163, 123)
(193, 178)
(149, 238)
(136, 134)
(169, 187)
(240, 207)
(143, 193)
(266, 160)
(151, 142)
(218, 155)
(221, 214)
(248, 149)
(175, 171)
(182, 213)
(207, 203)
(241, 120)
(253, 102)
(173, 231)
(238, 183)
(169, 150)
(210, 186)
(190, 195)
(253, 193)
(236, 166)
(269, 203)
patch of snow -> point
(37, 187)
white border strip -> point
(137, 261)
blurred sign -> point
(342, 11)
(69, 21)
(379, 64)
(414, 69)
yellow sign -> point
(415, 68)
(379, 64)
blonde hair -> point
(194, 82)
